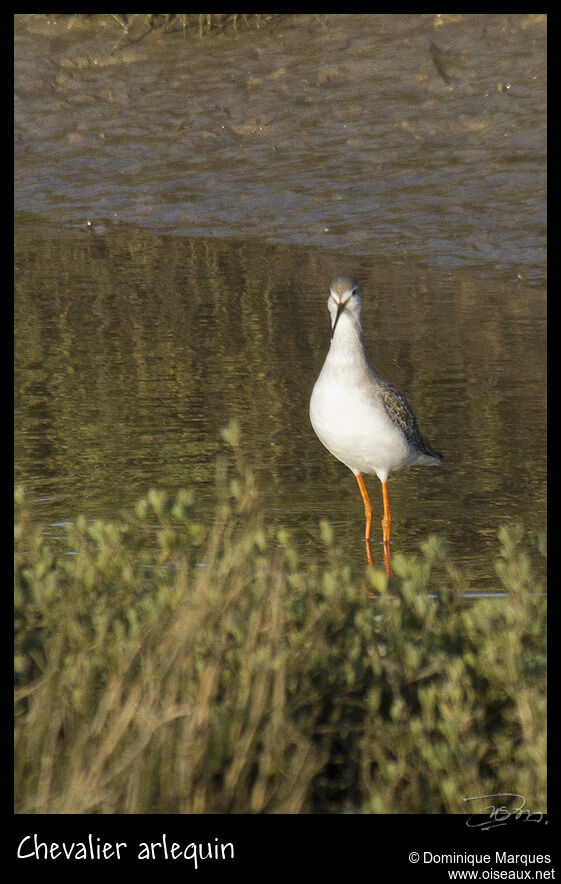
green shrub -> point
(163, 666)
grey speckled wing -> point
(402, 414)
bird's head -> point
(344, 295)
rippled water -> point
(406, 136)
(181, 206)
(133, 350)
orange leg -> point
(367, 515)
(387, 520)
(386, 530)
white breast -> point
(356, 429)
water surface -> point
(415, 137)
(133, 350)
(181, 206)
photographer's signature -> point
(500, 815)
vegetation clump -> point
(164, 666)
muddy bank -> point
(415, 137)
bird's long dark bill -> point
(340, 309)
